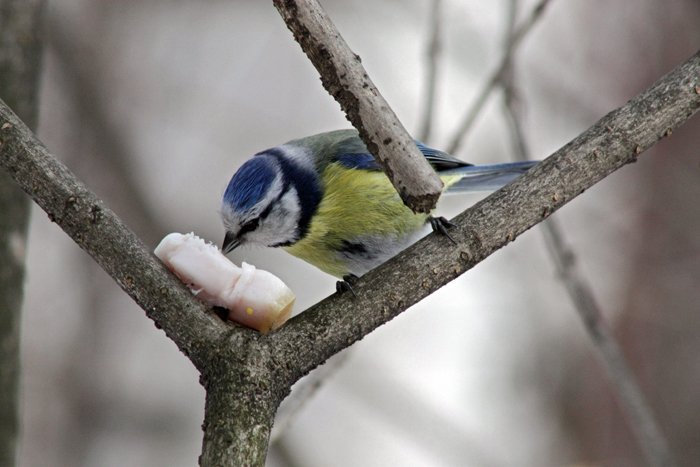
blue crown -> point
(250, 183)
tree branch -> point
(614, 141)
(98, 231)
(246, 373)
(344, 77)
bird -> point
(325, 200)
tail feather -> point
(478, 178)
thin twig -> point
(638, 411)
(512, 44)
(432, 56)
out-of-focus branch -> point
(21, 46)
(344, 77)
(632, 399)
(432, 56)
(20, 65)
(77, 59)
(513, 40)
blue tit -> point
(324, 199)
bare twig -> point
(432, 56)
(632, 399)
(247, 374)
(512, 43)
(346, 80)
(522, 30)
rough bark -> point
(98, 231)
(614, 141)
(344, 77)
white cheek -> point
(281, 224)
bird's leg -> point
(440, 224)
(344, 285)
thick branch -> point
(241, 396)
(346, 80)
(614, 141)
(98, 231)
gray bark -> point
(344, 77)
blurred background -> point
(154, 105)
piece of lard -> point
(253, 297)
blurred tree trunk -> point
(659, 321)
(20, 63)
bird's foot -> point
(221, 312)
(345, 284)
(440, 224)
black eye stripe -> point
(255, 223)
(249, 226)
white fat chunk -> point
(254, 298)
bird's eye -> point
(249, 226)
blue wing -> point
(438, 159)
(360, 161)
(473, 178)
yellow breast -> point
(356, 204)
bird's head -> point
(260, 207)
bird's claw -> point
(344, 285)
(440, 224)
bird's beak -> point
(230, 243)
